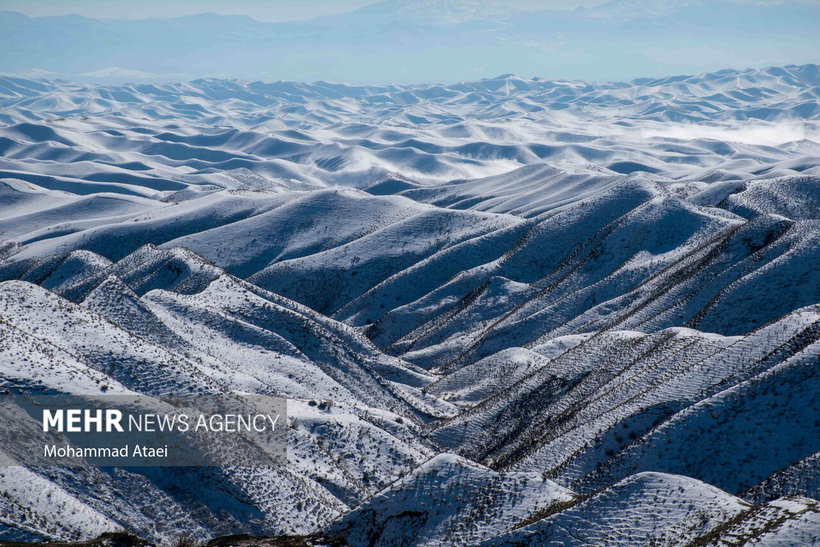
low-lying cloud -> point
(759, 133)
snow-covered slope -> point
(446, 501)
(646, 509)
(508, 311)
(219, 340)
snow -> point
(645, 508)
(501, 311)
(445, 501)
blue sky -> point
(264, 10)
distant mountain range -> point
(421, 40)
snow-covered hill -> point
(503, 312)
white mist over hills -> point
(413, 41)
(507, 311)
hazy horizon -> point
(269, 11)
(402, 41)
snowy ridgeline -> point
(535, 311)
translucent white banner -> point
(128, 431)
